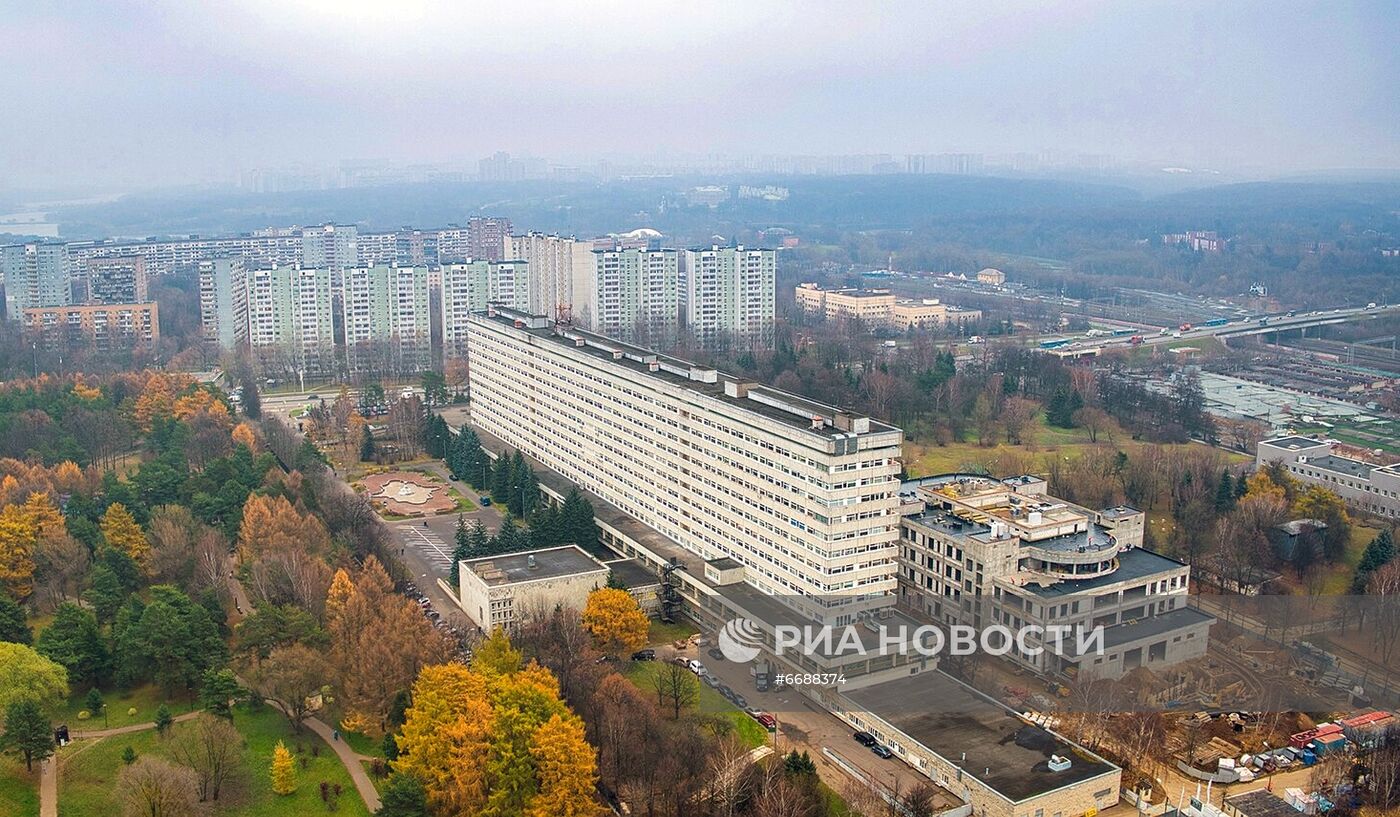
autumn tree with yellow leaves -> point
(121, 532)
(284, 770)
(23, 529)
(617, 624)
(483, 741)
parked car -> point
(695, 667)
(714, 653)
(710, 680)
(769, 722)
(647, 654)
(740, 701)
(865, 738)
(726, 691)
(881, 751)
(485, 501)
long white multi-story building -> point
(727, 293)
(803, 495)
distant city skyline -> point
(124, 95)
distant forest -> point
(1082, 237)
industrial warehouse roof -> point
(972, 732)
(764, 401)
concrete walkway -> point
(48, 787)
(126, 730)
(351, 760)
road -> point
(804, 726)
(1239, 327)
(426, 545)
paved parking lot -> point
(429, 545)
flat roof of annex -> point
(834, 429)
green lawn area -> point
(364, 744)
(19, 790)
(750, 732)
(145, 699)
(1039, 442)
(89, 770)
(661, 634)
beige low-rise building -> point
(992, 276)
(497, 591)
(100, 327)
(869, 306)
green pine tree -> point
(367, 447)
(27, 732)
(461, 548)
(1378, 554)
(1225, 494)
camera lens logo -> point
(739, 640)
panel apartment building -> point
(98, 327)
(630, 293)
(555, 263)
(982, 551)
(120, 279)
(468, 287)
(727, 293)
(289, 319)
(1363, 485)
(35, 275)
(802, 495)
(385, 318)
(223, 302)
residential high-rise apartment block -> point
(331, 247)
(385, 318)
(35, 275)
(289, 318)
(798, 498)
(262, 247)
(117, 280)
(468, 287)
(223, 302)
(486, 238)
(632, 294)
(728, 293)
(555, 262)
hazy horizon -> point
(124, 95)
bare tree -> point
(212, 749)
(676, 687)
(152, 787)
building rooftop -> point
(1134, 563)
(533, 565)
(825, 421)
(1119, 512)
(1122, 634)
(632, 573)
(1297, 527)
(1293, 442)
(1260, 803)
(1346, 466)
(986, 740)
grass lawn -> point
(364, 744)
(89, 770)
(750, 732)
(19, 789)
(661, 634)
(836, 805)
(145, 699)
(1039, 442)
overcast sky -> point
(122, 93)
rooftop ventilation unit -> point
(1059, 764)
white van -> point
(695, 667)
